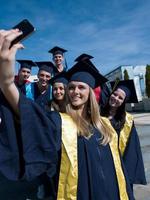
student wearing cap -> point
(57, 103)
(122, 124)
(59, 59)
(77, 149)
(23, 74)
(102, 91)
(40, 91)
(59, 85)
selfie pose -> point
(122, 124)
(76, 150)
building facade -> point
(137, 73)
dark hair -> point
(53, 103)
(119, 118)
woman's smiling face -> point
(58, 91)
(117, 98)
(78, 93)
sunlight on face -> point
(44, 77)
(58, 59)
(117, 98)
(78, 93)
(58, 91)
(24, 73)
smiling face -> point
(58, 91)
(24, 74)
(117, 98)
(78, 93)
(44, 78)
(58, 59)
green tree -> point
(117, 79)
(147, 80)
(126, 75)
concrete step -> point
(142, 192)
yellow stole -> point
(116, 158)
(68, 177)
(125, 133)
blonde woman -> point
(76, 149)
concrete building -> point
(137, 73)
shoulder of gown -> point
(10, 159)
(41, 136)
(133, 159)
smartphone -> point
(26, 27)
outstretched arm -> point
(7, 65)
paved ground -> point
(142, 122)
(142, 118)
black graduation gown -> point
(11, 159)
(132, 158)
(41, 99)
(22, 87)
(18, 190)
(10, 164)
(97, 177)
(105, 94)
(41, 140)
(56, 72)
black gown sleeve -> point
(133, 159)
(105, 94)
(28, 148)
(41, 136)
(10, 158)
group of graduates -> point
(41, 91)
(67, 134)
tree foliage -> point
(147, 80)
(126, 75)
(117, 79)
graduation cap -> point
(128, 87)
(83, 57)
(86, 58)
(59, 78)
(26, 64)
(57, 50)
(46, 66)
(84, 72)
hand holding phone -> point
(26, 27)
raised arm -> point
(7, 66)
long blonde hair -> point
(85, 126)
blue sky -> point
(115, 32)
